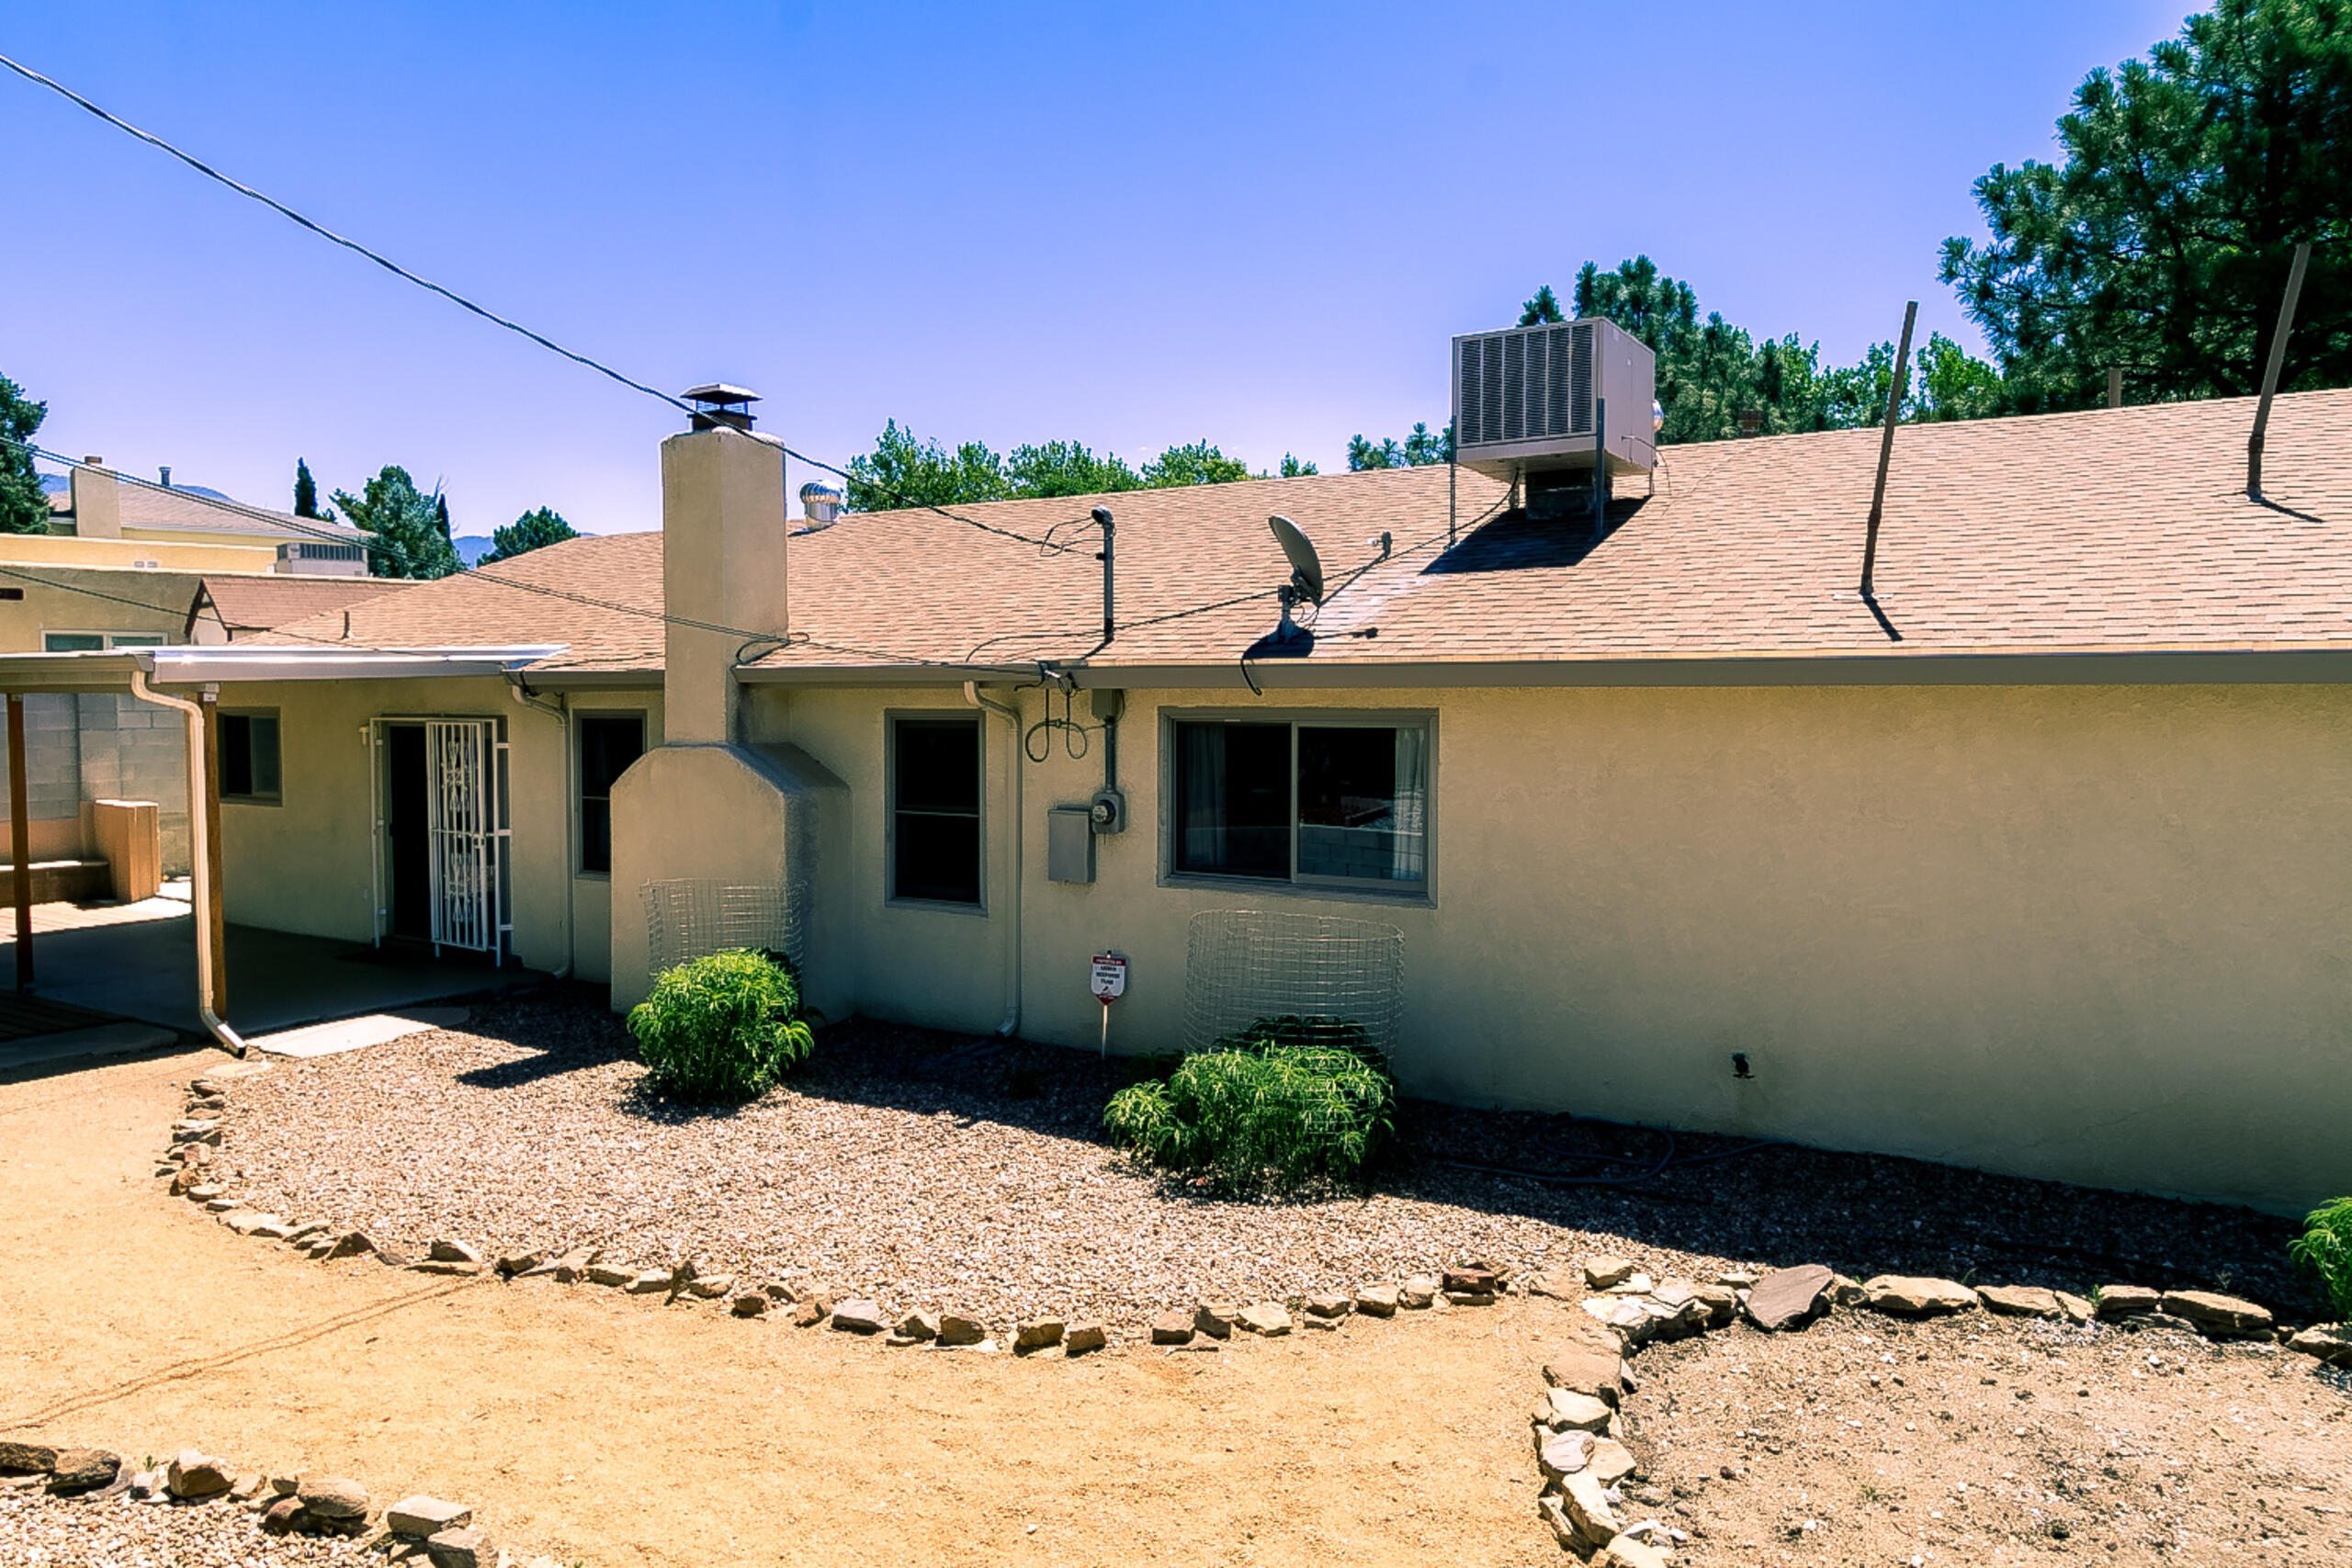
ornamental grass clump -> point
(1282, 1100)
(2325, 1248)
(723, 1027)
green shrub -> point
(2325, 1248)
(723, 1027)
(1284, 1100)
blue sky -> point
(1256, 223)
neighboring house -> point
(2040, 862)
(227, 609)
(113, 521)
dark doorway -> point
(408, 845)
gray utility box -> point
(1069, 843)
(1523, 399)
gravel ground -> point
(905, 1164)
(1866, 1439)
(57, 1532)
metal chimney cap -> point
(721, 392)
(720, 403)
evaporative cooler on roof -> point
(1523, 399)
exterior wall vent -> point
(1523, 398)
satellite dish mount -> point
(1306, 583)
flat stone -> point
(250, 1485)
(573, 1265)
(710, 1287)
(1600, 1273)
(2019, 1301)
(275, 1230)
(1846, 1293)
(806, 1314)
(282, 1516)
(860, 1316)
(897, 1341)
(1634, 1284)
(194, 1475)
(2124, 1301)
(1080, 1338)
(1036, 1334)
(1630, 1551)
(1329, 1304)
(1563, 1453)
(1789, 1297)
(649, 1282)
(749, 1303)
(1622, 1317)
(607, 1274)
(1588, 1362)
(1267, 1319)
(1417, 1291)
(2073, 1308)
(1564, 1530)
(454, 1252)
(303, 1233)
(421, 1514)
(27, 1459)
(333, 1498)
(1216, 1319)
(1736, 1279)
(1611, 1461)
(1171, 1329)
(223, 1205)
(351, 1243)
(247, 1222)
(1588, 1508)
(957, 1329)
(1475, 1281)
(2218, 1314)
(84, 1470)
(1377, 1301)
(920, 1325)
(1913, 1295)
(2331, 1342)
(512, 1263)
(1721, 1300)
(468, 1546)
(1469, 1298)
(455, 1270)
(1566, 1409)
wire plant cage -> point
(1244, 964)
(692, 918)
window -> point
(935, 809)
(249, 757)
(1305, 802)
(128, 639)
(90, 642)
(609, 743)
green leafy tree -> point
(904, 471)
(532, 531)
(1196, 463)
(1363, 453)
(1541, 310)
(1064, 467)
(306, 492)
(411, 528)
(1295, 468)
(24, 505)
(1422, 445)
(2161, 242)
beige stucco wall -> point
(2096, 934)
(92, 599)
(176, 551)
(308, 864)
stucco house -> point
(2039, 861)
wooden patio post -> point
(20, 841)
(210, 806)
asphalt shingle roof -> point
(2102, 531)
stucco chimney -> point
(722, 563)
(97, 505)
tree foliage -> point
(24, 504)
(2161, 242)
(907, 470)
(411, 528)
(1422, 445)
(306, 491)
(532, 531)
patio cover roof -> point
(190, 665)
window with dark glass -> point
(1308, 803)
(936, 810)
(249, 757)
(609, 743)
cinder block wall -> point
(101, 747)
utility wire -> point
(209, 171)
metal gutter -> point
(2156, 667)
(200, 664)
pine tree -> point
(24, 505)
(306, 491)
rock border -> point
(303, 1504)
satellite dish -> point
(1305, 566)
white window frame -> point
(105, 639)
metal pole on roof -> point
(2270, 372)
(1886, 445)
(20, 841)
(1599, 468)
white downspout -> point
(562, 714)
(200, 871)
(1012, 1024)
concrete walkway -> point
(620, 1433)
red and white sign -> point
(1109, 978)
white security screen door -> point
(461, 767)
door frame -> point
(500, 836)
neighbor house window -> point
(90, 642)
(1307, 802)
(249, 757)
(609, 743)
(935, 809)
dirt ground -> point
(1979, 1439)
(612, 1431)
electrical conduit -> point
(200, 871)
(1012, 1024)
